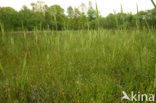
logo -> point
(138, 97)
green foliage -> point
(9, 18)
(53, 18)
(91, 12)
(77, 66)
(70, 12)
(30, 19)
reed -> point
(24, 73)
(2, 30)
(1, 69)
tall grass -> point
(137, 19)
(97, 16)
(24, 73)
(36, 33)
(77, 66)
(1, 69)
(2, 30)
(153, 38)
(116, 20)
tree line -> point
(53, 17)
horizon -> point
(105, 7)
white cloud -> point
(105, 6)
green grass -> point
(76, 66)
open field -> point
(76, 66)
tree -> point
(70, 12)
(91, 12)
(30, 19)
(91, 17)
(77, 12)
(39, 6)
(9, 18)
(82, 21)
(55, 16)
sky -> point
(105, 6)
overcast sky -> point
(105, 6)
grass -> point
(76, 66)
